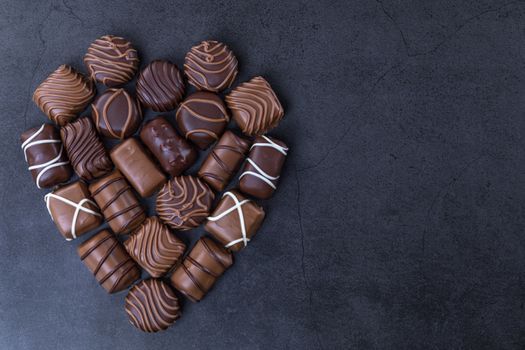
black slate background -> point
(398, 223)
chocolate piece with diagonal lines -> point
(160, 86)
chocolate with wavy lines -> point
(255, 107)
(152, 306)
(64, 94)
(154, 247)
(184, 202)
(160, 86)
(210, 66)
(111, 60)
(202, 118)
(85, 150)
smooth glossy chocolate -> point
(235, 220)
(116, 114)
(64, 94)
(210, 66)
(154, 247)
(173, 152)
(46, 156)
(105, 257)
(152, 306)
(118, 203)
(224, 160)
(131, 159)
(85, 150)
(72, 210)
(111, 60)
(263, 166)
(206, 262)
(184, 202)
(255, 107)
(202, 118)
(160, 86)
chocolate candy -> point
(202, 118)
(255, 107)
(105, 257)
(45, 155)
(263, 167)
(64, 94)
(152, 306)
(184, 202)
(116, 114)
(206, 262)
(72, 210)
(160, 86)
(172, 151)
(210, 66)
(154, 247)
(85, 150)
(111, 60)
(223, 161)
(142, 173)
(235, 220)
(118, 203)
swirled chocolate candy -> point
(105, 257)
(173, 152)
(255, 107)
(117, 202)
(210, 66)
(235, 220)
(45, 155)
(202, 118)
(263, 167)
(152, 306)
(72, 210)
(154, 247)
(85, 150)
(206, 262)
(111, 60)
(160, 86)
(224, 160)
(184, 202)
(133, 161)
(64, 94)
(116, 114)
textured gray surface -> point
(399, 218)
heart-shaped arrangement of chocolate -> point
(154, 162)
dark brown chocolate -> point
(160, 86)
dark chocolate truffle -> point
(111, 60)
(202, 118)
(160, 86)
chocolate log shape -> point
(206, 262)
(108, 261)
(117, 202)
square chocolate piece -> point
(138, 168)
(72, 210)
(154, 247)
(235, 220)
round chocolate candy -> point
(160, 86)
(116, 114)
(202, 118)
(111, 60)
(210, 66)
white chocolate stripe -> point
(238, 206)
(260, 177)
(271, 144)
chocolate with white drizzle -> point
(263, 167)
(45, 155)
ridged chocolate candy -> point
(160, 86)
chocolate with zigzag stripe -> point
(105, 257)
(152, 306)
(85, 150)
(206, 262)
(160, 86)
(118, 203)
(64, 94)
